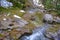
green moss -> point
(1, 35)
(48, 4)
(38, 20)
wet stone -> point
(57, 19)
(48, 18)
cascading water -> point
(36, 6)
(38, 34)
(38, 3)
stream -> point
(36, 6)
(39, 32)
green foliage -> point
(58, 7)
(50, 4)
(58, 11)
(18, 3)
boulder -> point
(57, 19)
(48, 18)
(8, 23)
(5, 3)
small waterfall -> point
(36, 5)
(38, 34)
(36, 2)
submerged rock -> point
(48, 18)
(57, 37)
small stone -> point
(22, 11)
(4, 19)
(16, 16)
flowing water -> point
(37, 3)
(36, 6)
(38, 34)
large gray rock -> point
(57, 19)
(8, 23)
(48, 18)
(5, 3)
